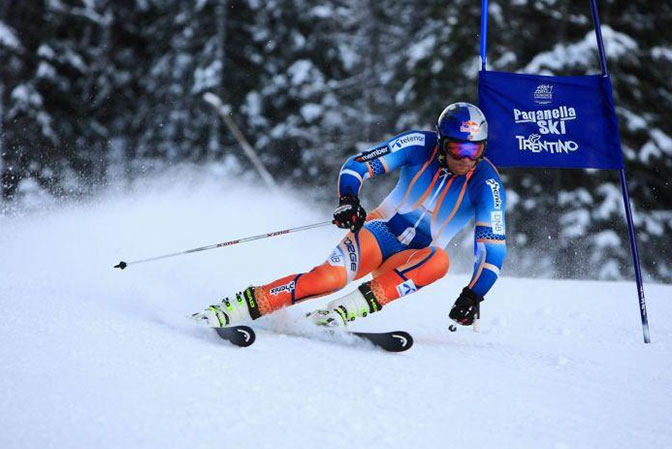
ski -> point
(396, 341)
(242, 336)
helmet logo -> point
(470, 127)
(462, 121)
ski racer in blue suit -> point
(445, 182)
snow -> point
(88, 12)
(301, 71)
(495, 13)
(405, 93)
(612, 202)
(33, 196)
(654, 226)
(582, 53)
(253, 108)
(321, 12)
(609, 270)
(579, 195)
(311, 111)
(508, 58)
(607, 238)
(8, 37)
(575, 223)
(26, 98)
(299, 40)
(93, 356)
(663, 140)
(633, 121)
(44, 120)
(420, 50)
(660, 143)
(347, 55)
(26, 95)
(649, 150)
(207, 77)
(664, 53)
(46, 52)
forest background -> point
(100, 93)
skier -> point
(445, 182)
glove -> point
(464, 309)
(349, 214)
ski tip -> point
(395, 341)
(242, 336)
(405, 340)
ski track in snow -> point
(96, 357)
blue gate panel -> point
(550, 121)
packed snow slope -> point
(97, 357)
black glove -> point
(349, 214)
(464, 309)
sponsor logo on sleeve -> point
(407, 141)
(372, 154)
(497, 222)
(496, 194)
(406, 288)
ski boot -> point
(230, 311)
(358, 303)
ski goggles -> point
(459, 150)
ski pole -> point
(477, 318)
(122, 264)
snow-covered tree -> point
(94, 89)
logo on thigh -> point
(350, 253)
(289, 287)
(336, 257)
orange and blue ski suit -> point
(402, 242)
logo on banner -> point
(406, 288)
(549, 122)
(534, 144)
(543, 94)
